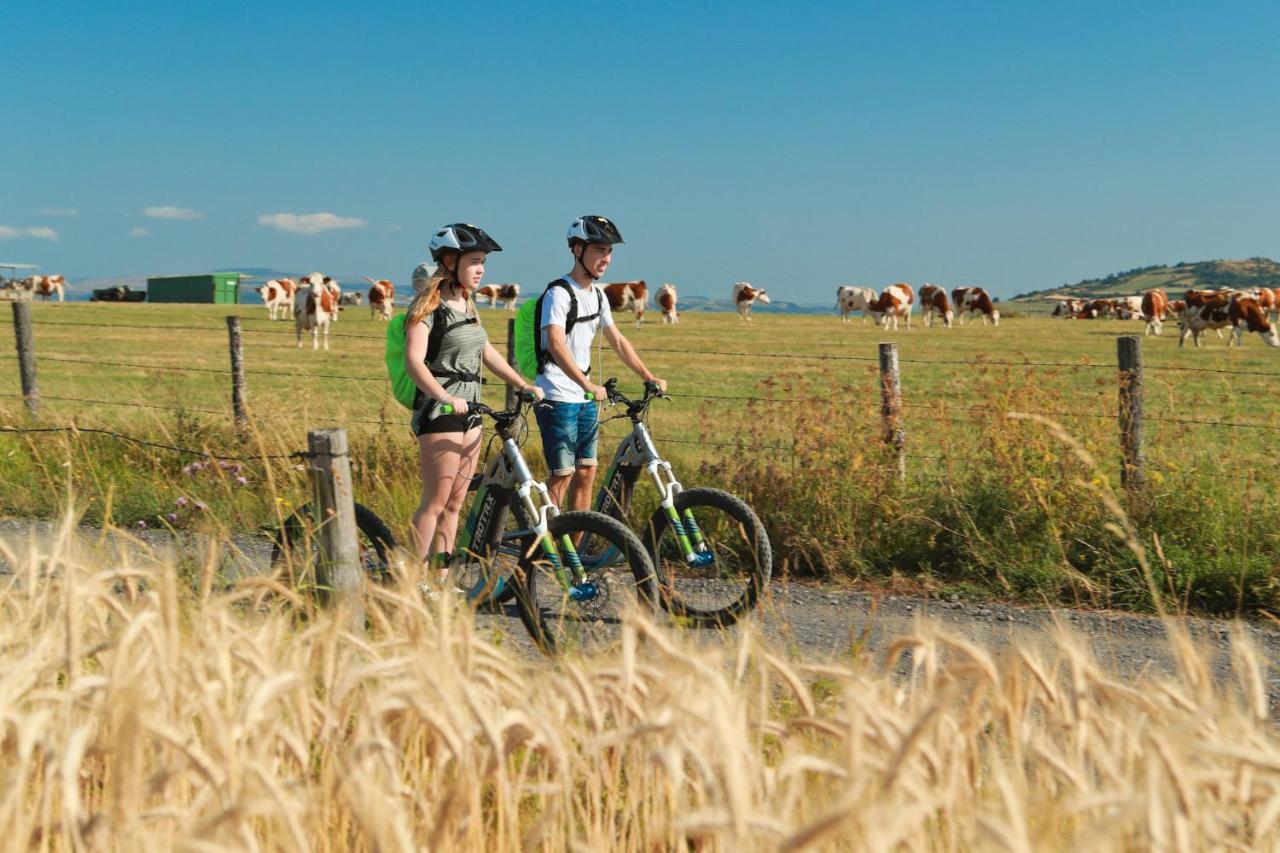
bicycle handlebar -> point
(652, 391)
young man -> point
(571, 425)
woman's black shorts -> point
(450, 423)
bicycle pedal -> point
(701, 560)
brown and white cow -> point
(45, 286)
(1155, 307)
(744, 296)
(315, 306)
(495, 293)
(850, 299)
(1219, 309)
(317, 279)
(893, 303)
(277, 295)
(628, 296)
(933, 300)
(382, 298)
(1129, 307)
(974, 300)
(1069, 308)
(666, 298)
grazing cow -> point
(1219, 309)
(495, 293)
(1128, 307)
(628, 296)
(1246, 314)
(744, 296)
(850, 299)
(45, 286)
(892, 304)
(1155, 307)
(933, 300)
(382, 298)
(1069, 308)
(666, 299)
(974, 300)
(351, 300)
(315, 306)
(277, 295)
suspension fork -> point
(688, 534)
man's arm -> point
(627, 353)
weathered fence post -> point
(511, 360)
(891, 405)
(26, 353)
(237, 371)
(1129, 350)
(338, 569)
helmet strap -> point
(579, 262)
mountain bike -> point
(564, 605)
(710, 553)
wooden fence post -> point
(891, 405)
(338, 570)
(1129, 351)
(26, 353)
(237, 371)
(511, 360)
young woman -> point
(449, 443)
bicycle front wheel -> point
(732, 557)
(567, 617)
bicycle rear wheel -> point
(295, 540)
(584, 618)
(736, 570)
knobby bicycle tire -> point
(743, 559)
(560, 624)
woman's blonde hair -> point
(428, 298)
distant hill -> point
(1174, 278)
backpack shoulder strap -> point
(440, 327)
(544, 357)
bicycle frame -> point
(637, 452)
(508, 483)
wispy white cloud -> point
(58, 211)
(308, 223)
(138, 232)
(36, 232)
(167, 212)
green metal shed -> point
(222, 288)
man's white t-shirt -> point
(554, 382)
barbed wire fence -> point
(1130, 413)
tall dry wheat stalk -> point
(141, 712)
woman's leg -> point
(447, 530)
(439, 456)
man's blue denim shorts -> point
(569, 432)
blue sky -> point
(795, 145)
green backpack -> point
(402, 387)
(531, 358)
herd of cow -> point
(894, 303)
(44, 286)
(1255, 310)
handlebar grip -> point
(589, 396)
(446, 409)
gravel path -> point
(819, 622)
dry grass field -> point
(139, 712)
(783, 411)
